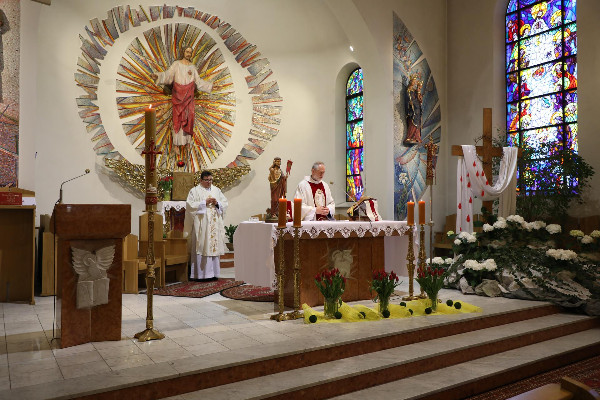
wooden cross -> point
(487, 151)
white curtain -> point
(472, 182)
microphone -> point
(87, 171)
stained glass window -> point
(541, 80)
(354, 135)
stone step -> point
(486, 373)
(318, 345)
(395, 365)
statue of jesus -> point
(185, 79)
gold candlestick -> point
(422, 256)
(150, 333)
(296, 314)
(410, 266)
(280, 316)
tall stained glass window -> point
(541, 79)
(354, 135)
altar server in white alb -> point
(205, 208)
(317, 201)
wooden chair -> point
(441, 240)
(133, 265)
(172, 251)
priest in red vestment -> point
(317, 201)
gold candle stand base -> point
(149, 334)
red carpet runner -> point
(197, 289)
(586, 371)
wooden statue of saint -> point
(278, 184)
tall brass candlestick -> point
(296, 313)
(150, 333)
(280, 316)
(432, 149)
(422, 256)
(410, 266)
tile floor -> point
(197, 332)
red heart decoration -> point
(461, 178)
(180, 163)
(477, 173)
(487, 183)
(470, 200)
(474, 164)
(460, 229)
(482, 193)
(468, 218)
(469, 184)
(459, 206)
(467, 174)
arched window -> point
(354, 135)
(541, 82)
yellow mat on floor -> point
(359, 312)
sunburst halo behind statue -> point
(214, 114)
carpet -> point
(249, 293)
(197, 289)
(586, 371)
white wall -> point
(307, 45)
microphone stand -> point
(60, 198)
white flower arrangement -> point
(487, 228)
(560, 254)
(472, 264)
(528, 226)
(576, 233)
(500, 224)
(516, 219)
(437, 260)
(586, 239)
(465, 237)
(449, 233)
(448, 261)
(487, 265)
(553, 229)
(595, 234)
(537, 225)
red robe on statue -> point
(183, 107)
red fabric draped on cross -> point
(183, 107)
(314, 187)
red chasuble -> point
(183, 107)
(314, 187)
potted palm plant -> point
(229, 231)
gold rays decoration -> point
(134, 175)
(214, 113)
(154, 50)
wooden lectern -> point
(90, 228)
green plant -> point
(550, 178)
(229, 231)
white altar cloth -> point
(255, 243)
